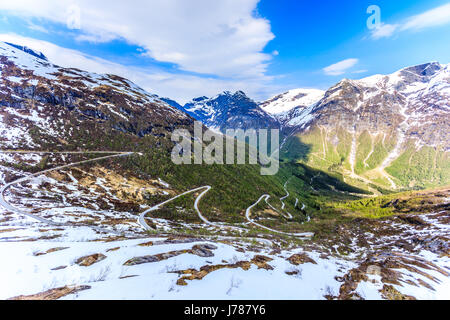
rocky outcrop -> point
(300, 258)
(52, 294)
(201, 250)
(192, 274)
(89, 260)
(49, 104)
(50, 251)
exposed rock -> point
(229, 111)
(129, 276)
(201, 250)
(58, 268)
(300, 258)
(52, 294)
(50, 251)
(193, 274)
(390, 293)
(351, 281)
(261, 262)
(141, 260)
(8, 230)
(104, 106)
(146, 244)
(87, 261)
(415, 220)
(291, 273)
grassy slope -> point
(424, 168)
(316, 181)
(329, 151)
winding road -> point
(8, 206)
(144, 224)
(141, 218)
(266, 197)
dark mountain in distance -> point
(228, 110)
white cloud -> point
(432, 18)
(384, 31)
(222, 38)
(340, 67)
(173, 85)
(360, 71)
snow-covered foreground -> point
(24, 271)
(26, 268)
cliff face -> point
(230, 111)
(414, 101)
(44, 104)
(392, 123)
(282, 104)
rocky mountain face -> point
(385, 131)
(44, 105)
(296, 98)
(45, 108)
(391, 130)
(229, 111)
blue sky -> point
(183, 49)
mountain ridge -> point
(229, 110)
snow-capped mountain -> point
(398, 122)
(64, 103)
(414, 101)
(285, 102)
(34, 53)
(229, 111)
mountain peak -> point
(291, 99)
(30, 51)
(229, 110)
(426, 69)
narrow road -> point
(283, 205)
(288, 215)
(141, 218)
(8, 206)
(144, 224)
(266, 197)
(284, 197)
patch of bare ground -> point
(146, 244)
(116, 221)
(110, 239)
(52, 294)
(58, 268)
(201, 250)
(87, 261)
(124, 186)
(390, 293)
(192, 274)
(386, 265)
(50, 251)
(9, 230)
(300, 258)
